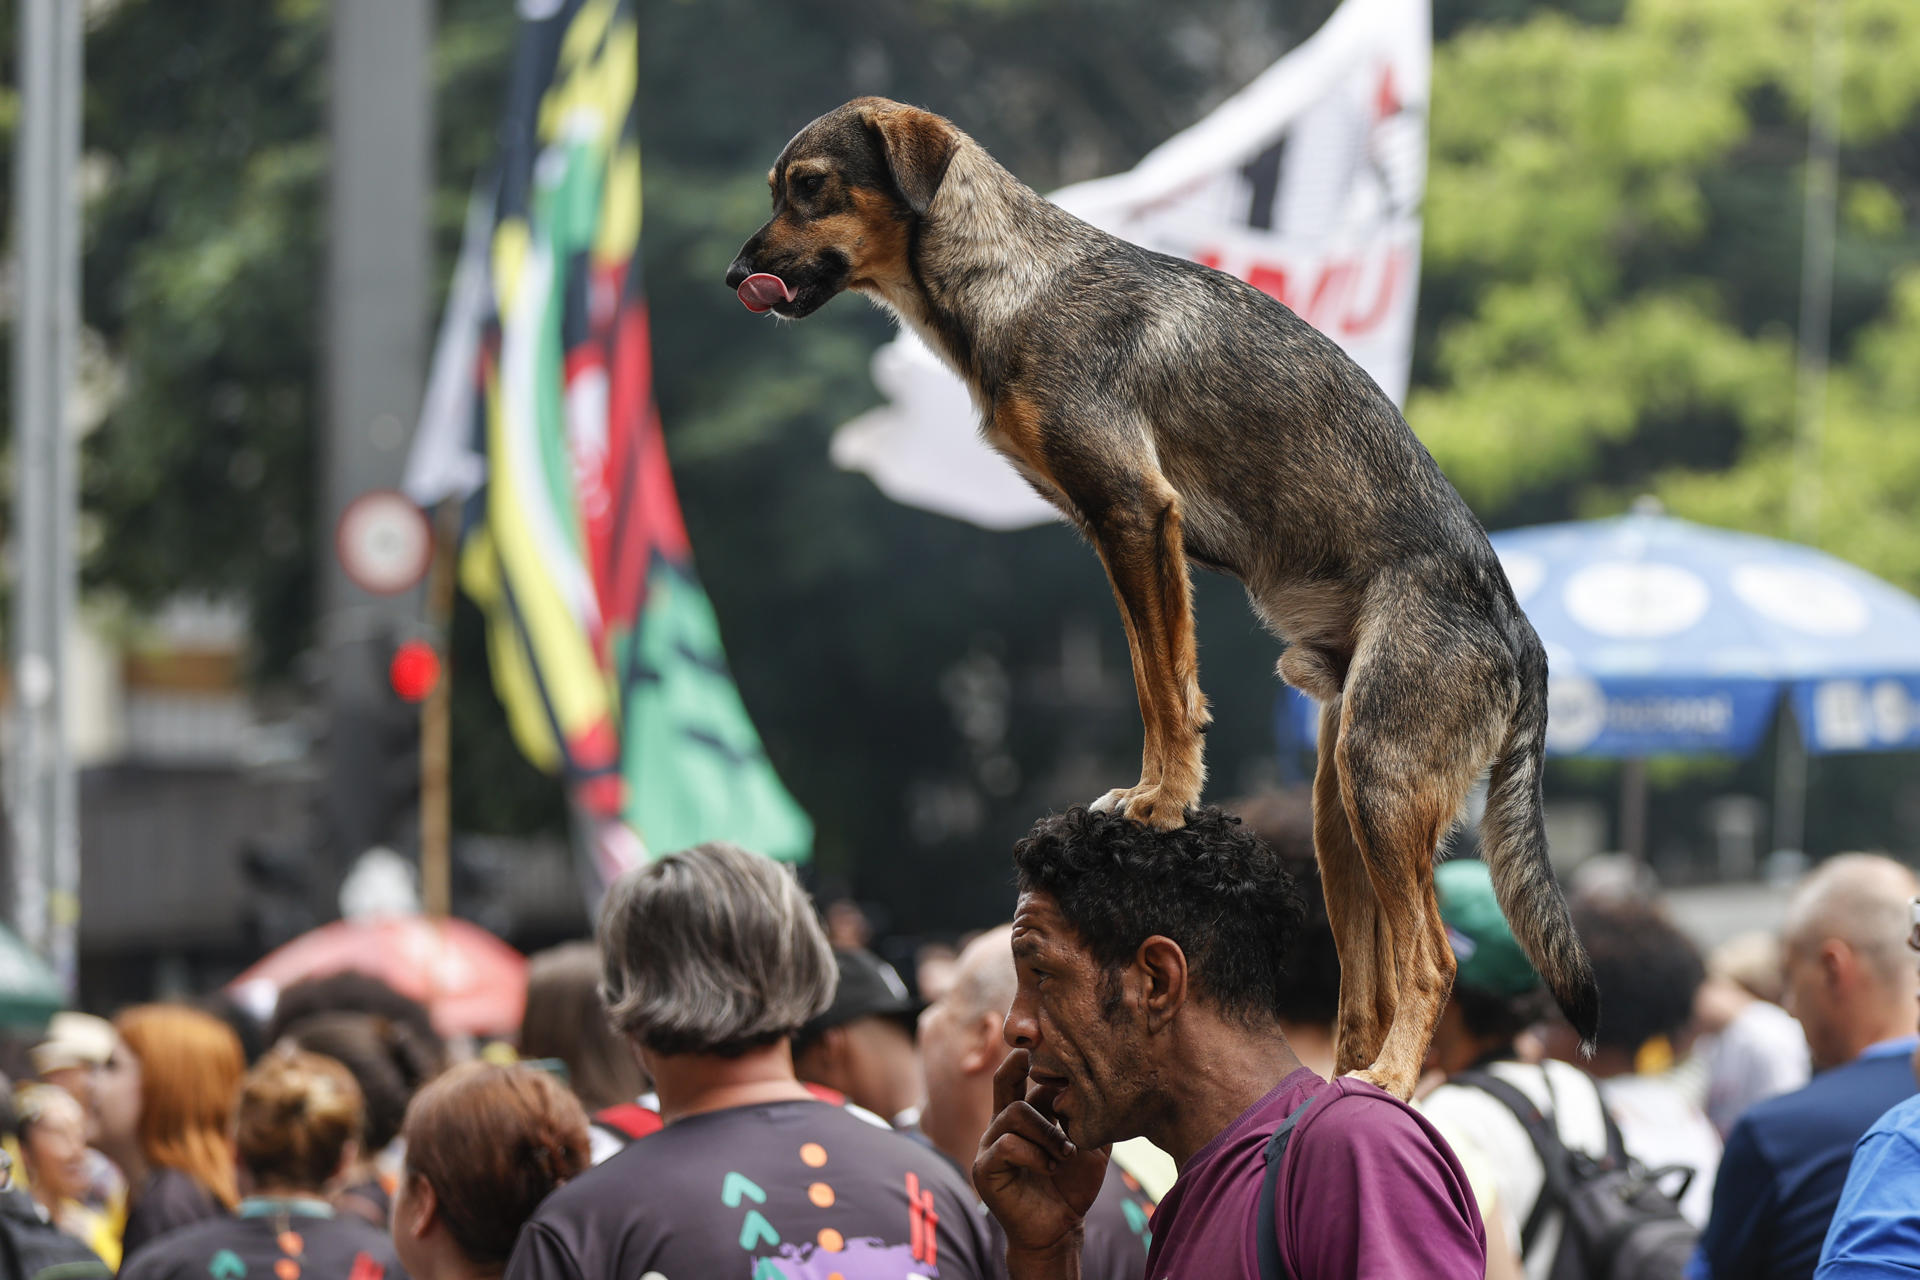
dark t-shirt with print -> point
(777, 1191)
(282, 1239)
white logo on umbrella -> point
(1624, 600)
(1804, 599)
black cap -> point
(869, 987)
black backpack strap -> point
(1271, 1266)
(1545, 1136)
(1616, 1145)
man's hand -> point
(1034, 1181)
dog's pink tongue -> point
(760, 292)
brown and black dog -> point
(1176, 414)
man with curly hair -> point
(1150, 968)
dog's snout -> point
(739, 271)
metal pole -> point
(46, 326)
(1633, 808)
(379, 252)
(1804, 494)
(1816, 271)
(1789, 784)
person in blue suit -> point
(1852, 984)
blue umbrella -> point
(1666, 637)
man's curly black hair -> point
(1212, 886)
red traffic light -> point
(414, 671)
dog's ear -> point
(918, 145)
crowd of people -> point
(1129, 1078)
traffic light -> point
(372, 753)
(414, 670)
(394, 786)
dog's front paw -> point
(1147, 803)
(1155, 807)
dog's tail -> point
(1514, 838)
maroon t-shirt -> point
(1368, 1191)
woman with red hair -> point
(296, 1130)
(166, 1117)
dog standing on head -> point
(1174, 413)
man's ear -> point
(1162, 966)
(1838, 961)
(986, 1047)
(918, 145)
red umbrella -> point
(471, 982)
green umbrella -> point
(29, 993)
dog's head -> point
(846, 192)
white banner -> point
(1306, 184)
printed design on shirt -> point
(755, 1230)
(830, 1255)
(1138, 1209)
(366, 1267)
(227, 1265)
(287, 1267)
(921, 1221)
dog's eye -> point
(809, 186)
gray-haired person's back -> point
(771, 1191)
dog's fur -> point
(1174, 413)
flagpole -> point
(436, 723)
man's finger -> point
(1010, 1080)
(1041, 1096)
(1024, 1121)
(1014, 1151)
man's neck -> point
(1888, 1024)
(689, 1084)
(1217, 1070)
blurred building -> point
(198, 816)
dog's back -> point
(1297, 474)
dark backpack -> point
(1621, 1221)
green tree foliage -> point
(1613, 269)
(205, 127)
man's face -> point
(1085, 1039)
(1808, 997)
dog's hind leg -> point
(1139, 540)
(1359, 934)
(1426, 705)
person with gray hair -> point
(711, 959)
(1851, 981)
